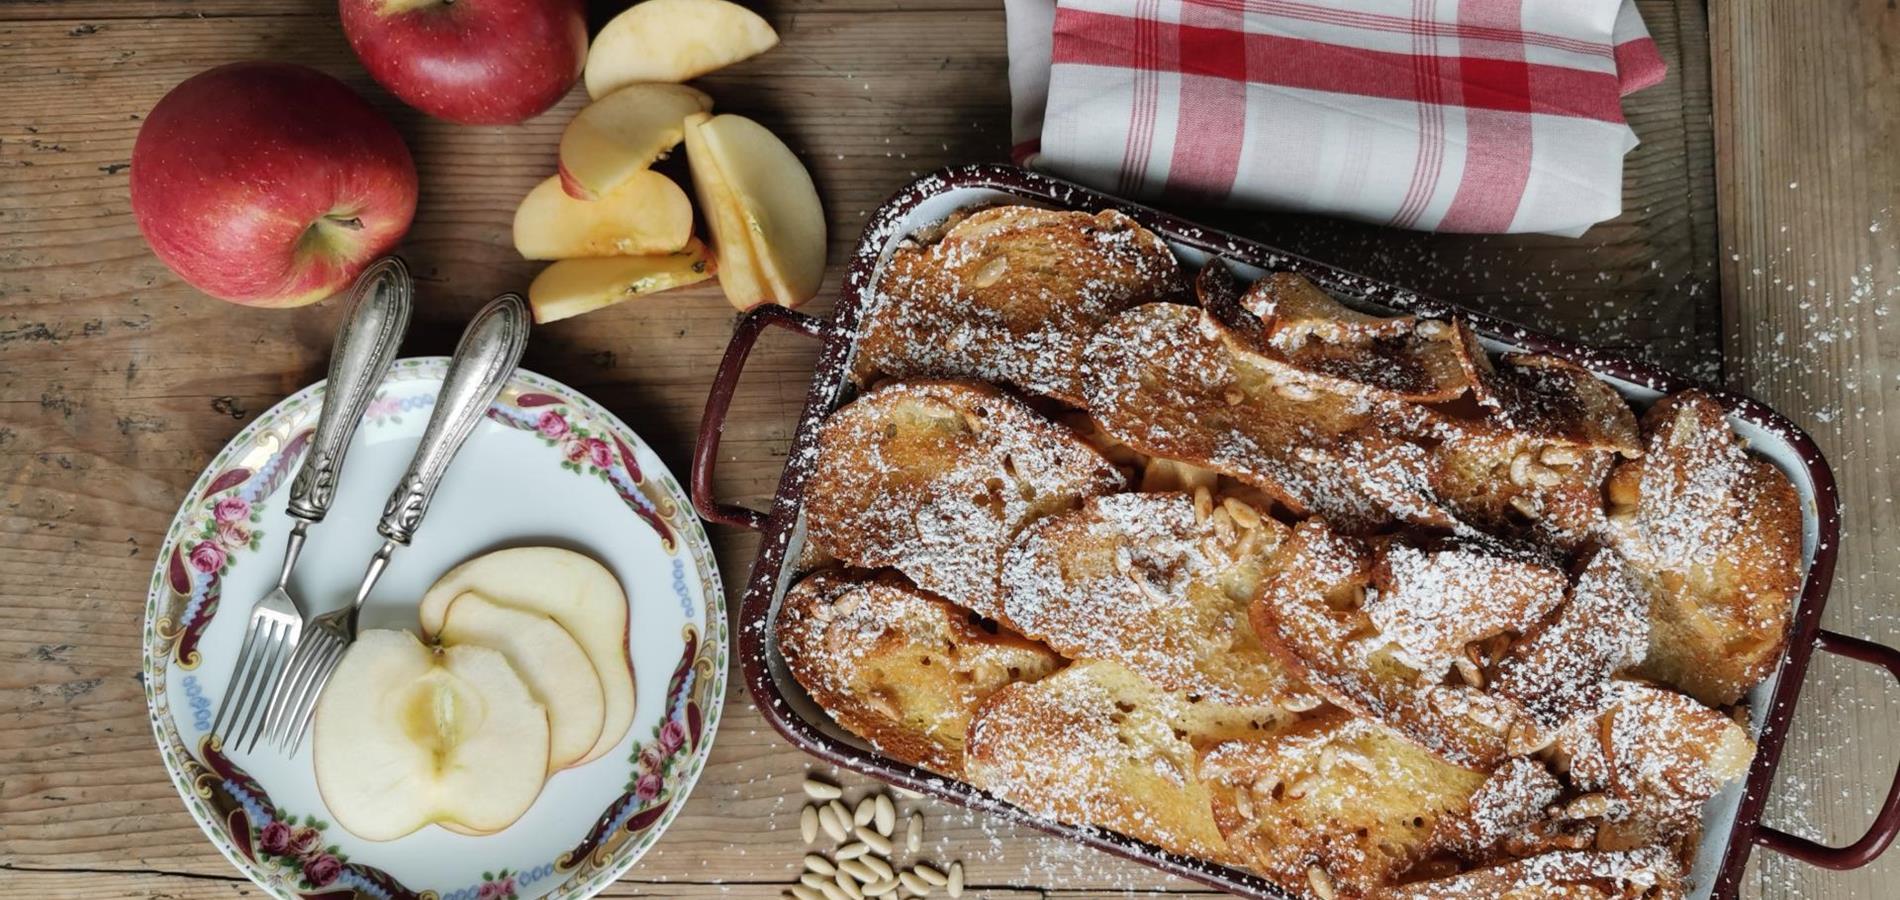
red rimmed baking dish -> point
(1732, 820)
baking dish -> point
(1732, 826)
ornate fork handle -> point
(484, 359)
(373, 327)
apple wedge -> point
(556, 669)
(570, 287)
(673, 40)
(572, 589)
(621, 134)
(646, 214)
(780, 217)
(739, 275)
(405, 736)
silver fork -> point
(373, 326)
(484, 359)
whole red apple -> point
(477, 62)
(269, 184)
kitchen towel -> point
(1447, 115)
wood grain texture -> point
(118, 382)
(1809, 126)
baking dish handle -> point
(712, 423)
(1887, 822)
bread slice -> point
(1171, 381)
(935, 479)
(1650, 873)
(1659, 753)
(1431, 600)
(1553, 402)
(1097, 744)
(1160, 583)
(1511, 801)
(1523, 486)
(1561, 669)
(1427, 360)
(1313, 612)
(896, 666)
(1715, 535)
(1332, 800)
(1011, 294)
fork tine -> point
(309, 673)
(309, 704)
(272, 657)
(257, 680)
(228, 705)
(294, 671)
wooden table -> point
(118, 383)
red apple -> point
(269, 184)
(477, 62)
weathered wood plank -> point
(1809, 127)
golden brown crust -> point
(1333, 792)
(1561, 669)
(1406, 357)
(936, 478)
(1159, 582)
(1010, 294)
(1096, 744)
(1646, 874)
(1716, 536)
(896, 666)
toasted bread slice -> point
(1425, 360)
(896, 666)
(1562, 668)
(1432, 601)
(1160, 583)
(1332, 799)
(1650, 873)
(1552, 402)
(1658, 752)
(1524, 487)
(935, 479)
(1096, 744)
(1311, 612)
(1171, 381)
(1715, 535)
(1011, 294)
(1511, 801)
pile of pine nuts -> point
(866, 836)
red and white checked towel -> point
(1447, 115)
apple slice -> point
(570, 588)
(739, 275)
(673, 40)
(646, 214)
(570, 287)
(623, 133)
(555, 667)
(405, 736)
(778, 205)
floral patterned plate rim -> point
(548, 466)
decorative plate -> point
(547, 467)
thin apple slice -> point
(573, 286)
(623, 133)
(780, 212)
(553, 664)
(646, 214)
(739, 275)
(673, 40)
(405, 736)
(568, 587)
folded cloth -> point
(1445, 115)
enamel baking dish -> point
(1732, 820)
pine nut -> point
(913, 833)
(876, 841)
(808, 824)
(828, 820)
(956, 879)
(819, 864)
(853, 850)
(1321, 882)
(914, 884)
(849, 885)
(858, 870)
(822, 790)
(812, 880)
(885, 816)
(879, 867)
(866, 811)
(833, 892)
(880, 888)
(804, 893)
(930, 874)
